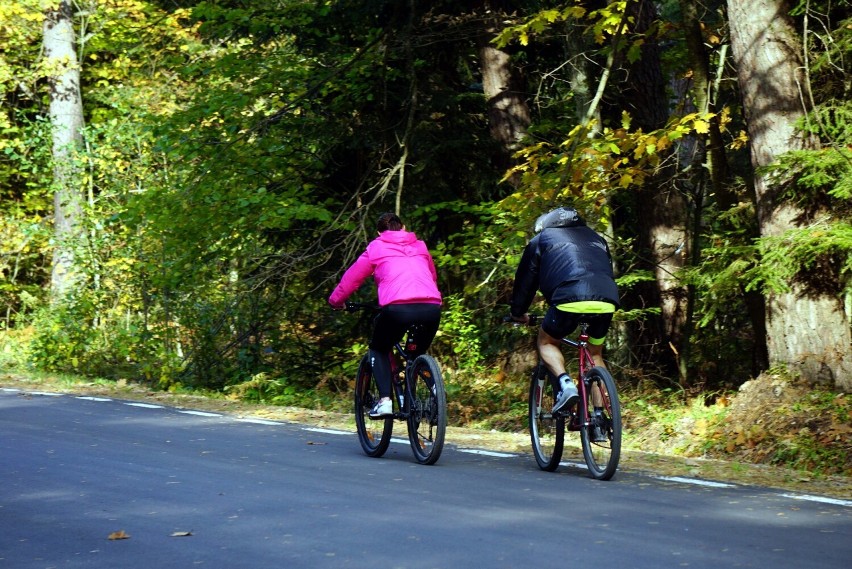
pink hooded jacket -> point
(403, 269)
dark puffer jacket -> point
(567, 261)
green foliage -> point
(820, 254)
(237, 153)
(460, 332)
(70, 337)
(818, 176)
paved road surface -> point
(195, 489)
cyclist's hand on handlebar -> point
(511, 319)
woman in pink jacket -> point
(408, 295)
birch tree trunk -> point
(66, 117)
(807, 330)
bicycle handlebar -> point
(356, 306)
(535, 320)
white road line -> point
(581, 466)
(9, 389)
(198, 413)
(256, 421)
(144, 405)
(486, 452)
(695, 481)
(822, 499)
(46, 393)
(86, 398)
(329, 431)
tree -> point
(808, 329)
(508, 113)
(660, 217)
(66, 117)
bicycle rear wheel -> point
(546, 431)
(601, 451)
(373, 434)
(427, 410)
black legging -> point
(421, 320)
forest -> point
(183, 183)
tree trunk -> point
(661, 233)
(66, 117)
(807, 330)
(580, 77)
(508, 113)
(714, 147)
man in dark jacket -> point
(571, 265)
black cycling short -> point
(560, 324)
(394, 319)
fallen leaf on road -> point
(120, 534)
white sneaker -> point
(567, 397)
(383, 408)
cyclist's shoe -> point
(382, 408)
(598, 434)
(567, 397)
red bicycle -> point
(597, 414)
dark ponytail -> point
(389, 222)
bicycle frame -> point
(400, 361)
(597, 415)
(585, 362)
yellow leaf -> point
(740, 141)
(702, 127)
(120, 534)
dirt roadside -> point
(740, 473)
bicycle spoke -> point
(427, 419)
(374, 435)
(601, 437)
(547, 432)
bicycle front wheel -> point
(427, 410)
(546, 431)
(601, 436)
(373, 434)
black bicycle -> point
(597, 415)
(419, 399)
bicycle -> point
(419, 399)
(597, 409)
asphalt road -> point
(191, 489)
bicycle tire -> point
(427, 410)
(602, 456)
(373, 434)
(547, 432)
